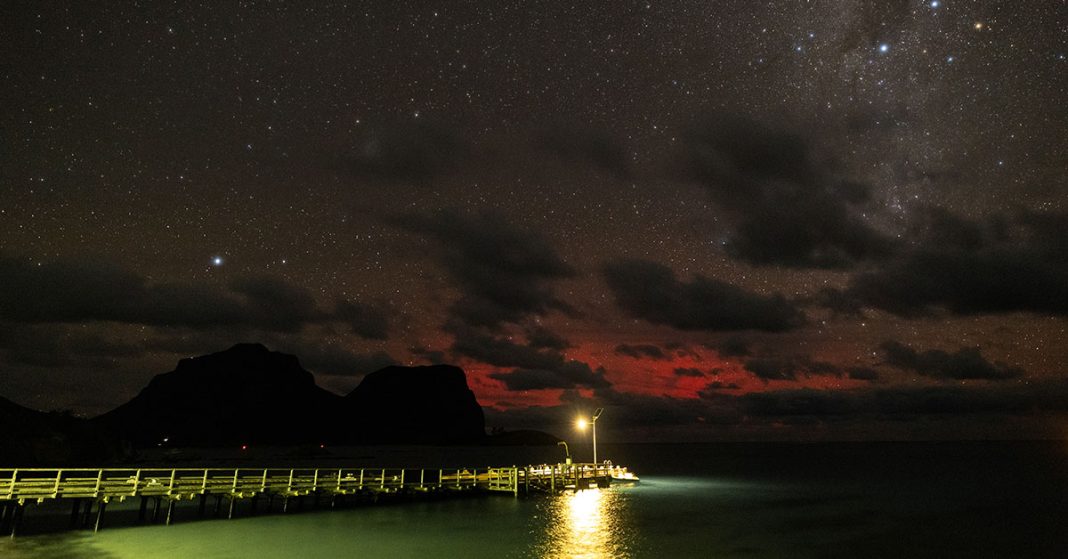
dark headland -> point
(249, 395)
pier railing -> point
(185, 483)
(19, 486)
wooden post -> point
(155, 510)
(170, 511)
(87, 514)
(75, 509)
(16, 517)
(203, 500)
(218, 504)
(143, 509)
(59, 479)
(230, 514)
(100, 515)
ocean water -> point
(709, 500)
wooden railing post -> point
(55, 488)
(11, 488)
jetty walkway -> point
(161, 488)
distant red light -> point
(244, 447)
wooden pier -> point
(161, 489)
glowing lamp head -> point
(581, 424)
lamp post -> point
(581, 423)
(567, 453)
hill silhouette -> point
(32, 438)
(429, 404)
(244, 395)
(251, 395)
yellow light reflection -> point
(586, 524)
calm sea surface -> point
(716, 500)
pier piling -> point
(100, 515)
(15, 517)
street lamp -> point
(581, 424)
(567, 453)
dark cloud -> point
(688, 372)
(998, 264)
(585, 145)
(789, 208)
(339, 361)
(908, 402)
(722, 413)
(642, 351)
(367, 321)
(570, 374)
(734, 346)
(535, 368)
(87, 290)
(542, 338)
(839, 302)
(862, 373)
(408, 151)
(431, 356)
(965, 364)
(650, 291)
(780, 403)
(504, 273)
(278, 305)
(81, 291)
(51, 345)
(789, 368)
(502, 352)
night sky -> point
(718, 220)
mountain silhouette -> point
(251, 395)
(429, 404)
(244, 395)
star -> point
(884, 47)
(217, 261)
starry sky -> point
(718, 220)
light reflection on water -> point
(588, 524)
